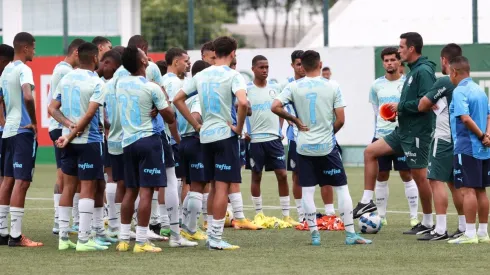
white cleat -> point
(181, 242)
(154, 237)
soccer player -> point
(19, 136)
(103, 44)
(401, 69)
(326, 72)
(6, 56)
(440, 168)
(386, 89)
(218, 87)
(233, 64)
(207, 53)
(109, 63)
(144, 169)
(412, 136)
(470, 118)
(79, 94)
(162, 65)
(318, 158)
(266, 149)
(61, 69)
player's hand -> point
(62, 141)
(198, 128)
(282, 137)
(301, 126)
(393, 107)
(435, 107)
(289, 122)
(154, 112)
(235, 129)
(33, 127)
(247, 137)
(486, 140)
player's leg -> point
(110, 194)
(327, 198)
(101, 236)
(458, 204)
(144, 211)
(54, 135)
(482, 199)
(382, 190)
(257, 162)
(6, 189)
(205, 197)
(309, 179)
(411, 190)
(75, 213)
(291, 166)
(117, 189)
(182, 188)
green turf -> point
(282, 251)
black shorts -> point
(117, 162)
(179, 169)
(322, 170)
(83, 161)
(106, 157)
(168, 153)
(292, 156)
(191, 159)
(20, 156)
(2, 153)
(397, 161)
(268, 154)
(54, 135)
(243, 148)
(222, 160)
(471, 172)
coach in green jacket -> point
(413, 135)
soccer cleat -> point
(418, 229)
(198, 236)
(222, 245)
(155, 228)
(24, 242)
(154, 237)
(56, 229)
(165, 232)
(362, 208)
(464, 240)
(4, 240)
(74, 229)
(205, 225)
(107, 239)
(384, 222)
(315, 238)
(64, 245)
(414, 222)
(146, 247)
(483, 239)
(353, 238)
(122, 246)
(90, 245)
(456, 234)
(112, 232)
(433, 236)
(245, 224)
(181, 242)
(291, 221)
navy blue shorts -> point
(143, 163)
(179, 169)
(83, 161)
(222, 160)
(292, 156)
(2, 153)
(471, 172)
(54, 135)
(269, 154)
(397, 161)
(117, 162)
(20, 156)
(191, 159)
(243, 158)
(105, 155)
(247, 155)
(322, 170)
(168, 152)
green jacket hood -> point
(423, 60)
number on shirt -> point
(70, 101)
(312, 98)
(211, 97)
(134, 112)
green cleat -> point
(414, 222)
(464, 240)
(484, 239)
(315, 238)
(165, 232)
(384, 222)
(64, 245)
(90, 245)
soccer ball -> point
(370, 223)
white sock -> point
(329, 210)
(367, 196)
(441, 224)
(462, 223)
(164, 221)
(470, 230)
(194, 210)
(75, 213)
(4, 211)
(209, 230)
(299, 208)
(236, 201)
(98, 221)
(427, 220)
(141, 234)
(118, 215)
(64, 221)
(86, 207)
(16, 215)
(124, 233)
(154, 216)
(284, 202)
(110, 194)
(185, 209)
(412, 194)
(205, 206)
(345, 207)
(257, 201)
(56, 199)
(172, 201)
(482, 229)
(309, 207)
(217, 230)
(382, 193)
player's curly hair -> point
(130, 59)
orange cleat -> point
(245, 224)
(24, 242)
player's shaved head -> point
(460, 64)
(258, 58)
(199, 66)
(74, 45)
(23, 39)
(88, 54)
(138, 41)
(310, 60)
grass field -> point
(282, 251)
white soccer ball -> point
(370, 223)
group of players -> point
(113, 110)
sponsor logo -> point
(152, 171)
(410, 154)
(17, 165)
(440, 91)
(85, 165)
(262, 107)
(223, 167)
(332, 172)
(457, 172)
(197, 165)
(281, 158)
(403, 159)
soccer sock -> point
(482, 229)
(367, 196)
(345, 207)
(205, 206)
(217, 229)
(284, 202)
(172, 202)
(16, 215)
(257, 201)
(412, 194)
(209, 230)
(75, 213)
(118, 215)
(470, 230)
(164, 221)
(98, 221)
(86, 207)
(110, 193)
(194, 210)
(4, 211)
(299, 208)
(141, 234)
(56, 199)
(64, 221)
(236, 201)
(441, 224)
(329, 210)
(427, 220)
(124, 234)
(309, 207)
(185, 209)
(154, 209)
(382, 193)
(462, 223)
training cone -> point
(386, 113)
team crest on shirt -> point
(399, 88)
(273, 93)
(410, 80)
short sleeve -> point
(238, 83)
(339, 99)
(460, 102)
(98, 95)
(1, 92)
(373, 96)
(196, 105)
(286, 96)
(190, 87)
(26, 76)
(437, 91)
(57, 93)
(158, 97)
(173, 88)
(488, 110)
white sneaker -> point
(132, 235)
(154, 237)
(181, 242)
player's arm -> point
(30, 105)
(243, 103)
(174, 131)
(107, 123)
(278, 109)
(54, 109)
(2, 109)
(339, 119)
(425, 81)
(461, 110)
(160, 100)
(93, 107)
(431, 98)
(179, 103)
